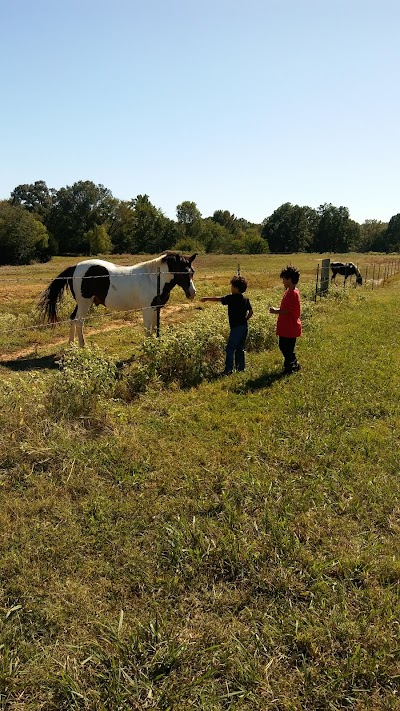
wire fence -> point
(374, 275)
(134, 274)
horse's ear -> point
(192, 258)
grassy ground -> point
(230, 546)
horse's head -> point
(356, 271)
(182, 270)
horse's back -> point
(82, 267)
(127, 287)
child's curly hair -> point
(240, 283)
(290, 273)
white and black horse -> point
(118, 288)
(345, 269)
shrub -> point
(183, 355)
(188, 354)
(85, 374)
(262, 333)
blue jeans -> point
(235, 348)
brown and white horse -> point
(118, 288)
(345, 269)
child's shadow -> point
(263, 381)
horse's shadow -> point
(49, 362)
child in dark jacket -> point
(239, 312)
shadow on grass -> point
(263, 381)
(49, 362)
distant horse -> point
(118, 288)
(345, 270)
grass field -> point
(233, 545)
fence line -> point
(391, 268)
(68, 321)
(94, 276)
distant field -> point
(20, 288)
(231, 546)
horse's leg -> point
(82, 312)
(72, 328)
(149, 320)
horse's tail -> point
(50, 298)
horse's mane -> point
(156, 261)
(149, 263)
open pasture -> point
(22, 333)
(229, 546)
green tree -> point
(122, 228)
(215, 238)
(187, 213)
(336, 232)
(290, 228)
(253, 243)
(75, 211)
(153, 231)
(227, 220)
(36, 198)
(372, 236)
(99, 240)
(392, 235)
(23, 237)
(189, 221)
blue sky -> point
(235, 105)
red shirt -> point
(289, 325)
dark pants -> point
(287, 346)
(235, 348)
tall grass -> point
(247, 528)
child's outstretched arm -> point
(210, 298)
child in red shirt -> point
(288, 326)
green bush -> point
(262, 333)
(187, 354)
(85, 374)
(182, 355)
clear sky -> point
(238, 105)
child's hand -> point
(271, 310)
(203, 298)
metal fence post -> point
(316, 283)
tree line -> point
(37, 222)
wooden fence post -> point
(158, 301)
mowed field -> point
(233, 545)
